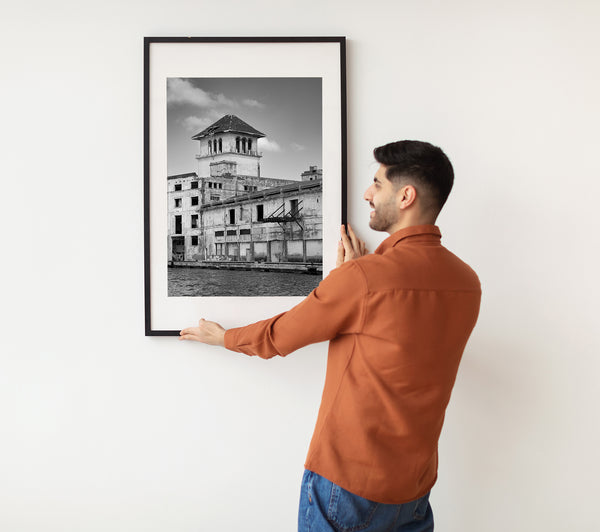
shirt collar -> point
(415, 233)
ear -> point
(406, 196)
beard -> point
(384, 216)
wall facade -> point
(280, 224)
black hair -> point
(421, 164)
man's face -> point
(381, 196)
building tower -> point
(228, 148)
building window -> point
(194, 200)
(260, 213)
(194, 222)
(178, 230)
(220, 185)
(214, 198)
(249, 145)
(219, 233)
(294, 206)
(237, 144)
(244, 231)
(220, 145)
(194, 240)
(177, 202)
(231, 232)
(194, 184)
(231, 216)
(178, 187)
(244, 145)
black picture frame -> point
(213, 57)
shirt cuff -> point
(230, 341)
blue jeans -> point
(325, 507)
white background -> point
(104, 429)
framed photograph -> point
(244, 175)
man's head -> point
(410, 186)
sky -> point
(287, 110)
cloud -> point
(195, 123)
(268, 145)
(297, 147)
(181, 91)
(253, 103)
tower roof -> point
(228, 124)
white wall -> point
(104, 429)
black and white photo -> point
(244, 186)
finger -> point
(340, 254)
(193, 337)
(346, 240)
(353, 237)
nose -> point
(368, 194)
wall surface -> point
(104, 429)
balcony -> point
(252, 153)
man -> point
(398, 321)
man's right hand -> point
(349, 247)
(207, 332)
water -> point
(205, 282)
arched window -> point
(249, 145)
(209, 147)
(220, 145)
(244, 144)
(237, 144)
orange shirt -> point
(398, 321)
